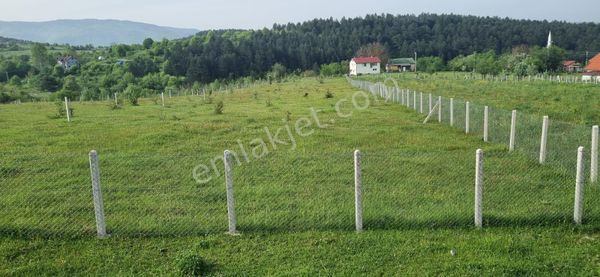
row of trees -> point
(521, 61)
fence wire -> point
(154, 194)
(562, 141)
(148, 195)
(45, 195)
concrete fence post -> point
(467, 117)
(513, 131)
(479, 188)
(358, 191)
(421, 102)
(404, 100)
(579, 189)
(415, 100)
(451, 111)
(594, 155)
(230, 198)
(430, 102)
(402, 96)
(116, 99)
(544, 140)
(68, 110)
(97, 193)
(162, 96)
(485, 124)
(408, 98)
(440, 109)
(387, 93)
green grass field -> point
(295, 205)
(577, 103)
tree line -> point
(467, 43)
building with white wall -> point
(365, 65)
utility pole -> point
(586, 57)
(415, 61)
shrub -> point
(61, 110)
(219, 107)
(113, 106)
(133, 93)
(328, 94)
(5, 98)
(192, 265)
(320, 79)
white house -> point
(365, 65)
(68, 62)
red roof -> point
(594, 64)
(569, 63)
(361, 60)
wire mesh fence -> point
(146, 195)
(157, 195)
(502, 78)
(44, 195)
(562, 137)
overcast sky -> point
(221, 14)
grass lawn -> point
(295, 205)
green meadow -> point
(164, 191)
(570, 102)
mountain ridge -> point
(98, 32)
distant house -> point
(572, 66)
(401, 65)
(120, 61)
(593, 65)
(67, 62)
(365, 65)
(592, 70)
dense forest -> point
(447, 41)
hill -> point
(89, 31)
(321, 41)
(4, 40)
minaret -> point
(549, 39)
